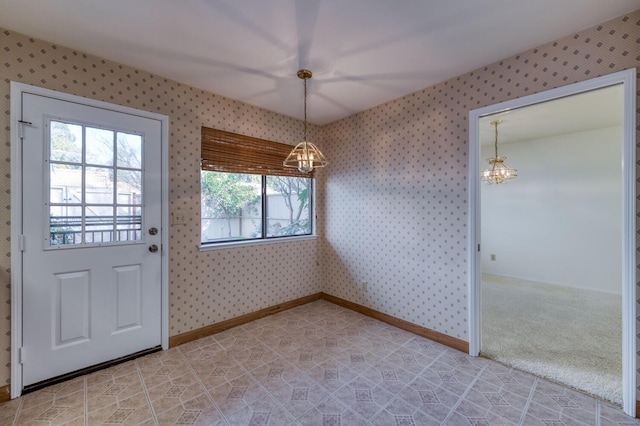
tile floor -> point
(317, 364)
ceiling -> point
(595, 109)
(362, 52)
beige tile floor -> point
(318, 364)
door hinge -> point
(22, 242)
(21, 127)
(21, 355)
(478, 247)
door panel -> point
(71, 308)
(91, 287)
(127, 286)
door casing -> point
(628, 79)
(17, 89)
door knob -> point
(153, 231)
(153, 248)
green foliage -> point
(64, 144)
(296, 228)
(237, 197)
(225, 195)
(303, 197)
(290, 187)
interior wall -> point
(205, 287)
(395, 207)
(560, 221)
(392, 205)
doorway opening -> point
(532, 250)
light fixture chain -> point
(305, 156)
(305, 109)
(496, 142)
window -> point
(239, 206)
(95, 185)
(287, 206)
(246, 193)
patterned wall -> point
(205, 287)
(395, 206)
(392, 205)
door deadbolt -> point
(153, 248)
(153, 231)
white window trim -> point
(222, 245)
(256, 242)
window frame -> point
(264, 239)
(227, 152)
(83, 204)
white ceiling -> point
(586, 111)
(362, 52)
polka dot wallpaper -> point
(395, 210)
(392, 206)
(205, 287)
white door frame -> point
(628, 79)
(17, 89)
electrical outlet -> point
(493, 256)
(365, 287)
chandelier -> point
(497, 171)
(305, 156)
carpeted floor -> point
(567, 335)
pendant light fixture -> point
(497, 171)
(305, 156)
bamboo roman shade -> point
(233, 153)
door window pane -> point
(99, 146)
(129, 225)
(129, 186)
(65, 184)
(66, 142)
(98, 200)
(99, 224)
(65, 225)
(99, 185)
(129, 151)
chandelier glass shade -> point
(305, 156)
(497, 171)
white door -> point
(91, 221)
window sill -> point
(239, 244)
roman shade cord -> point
(234, 153)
